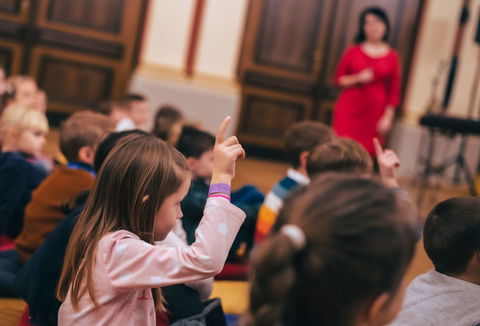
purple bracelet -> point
(219, 188)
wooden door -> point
(290, 52)
(280, 64)
(14, 16)
(81, 52)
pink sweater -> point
(127, 268)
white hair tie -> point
(295, 234)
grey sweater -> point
(435, 299)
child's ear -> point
(376, 309)
(191, 162)
(303, 158)
(385, 307)
(86, 155)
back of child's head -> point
(303, 137)
(166, 119)
(107, 144)
(82, 129)
(342, 155)
(103, 149)
(134, 180)
(18, 118)
(356, 246)
(451, 234)
(194, 142)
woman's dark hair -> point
(379, 13)
(360, 240)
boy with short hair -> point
(197, 146)
(342, 155)
(449, 294)
(79, 137)
(300, 139)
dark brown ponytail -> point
(359, 242)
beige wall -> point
(168, 33)
(434, 46)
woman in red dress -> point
(369, 75)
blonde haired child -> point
(22, 136)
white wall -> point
(221, 37)
(168, 34)
(435, 44)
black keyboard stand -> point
(458, 160)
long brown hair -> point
(359, 242)
(138, 166)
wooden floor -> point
(264, 174)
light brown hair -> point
(165, 118)
(84, 128)
(138, 166)
(304, 136)
(339, 155)
(359, 242)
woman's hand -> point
(385, 123)
(365, 76)
(225, 154)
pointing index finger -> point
(221, 130)
(378, 147)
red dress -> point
(360, 107)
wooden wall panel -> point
(279, 43)
(75, 81)
(273, 113)
(104, 15)
(11, 54)
(14, 10)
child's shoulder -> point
(119, 235)
(13, 161)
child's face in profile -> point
(26, 93)
(139, 112)
(202, 167)
(170, 210)
(31, 141)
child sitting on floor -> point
(339, 259)
(134, 202)
(197, 147)
(22, 133)
(447, 295)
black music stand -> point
(439, 124)
(451, 126)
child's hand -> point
(225, 154)
(387, 163)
